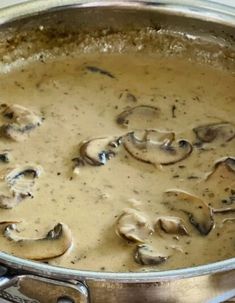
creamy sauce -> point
(78, 104)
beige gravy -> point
(80, 103)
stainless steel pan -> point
(26, 281)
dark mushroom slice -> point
(20, 122)
(5, 156)
(56, 242)
(221, 132)
(97, 151)
(200, 215)
(172, 225)
(147, 255)
(98, 70)
(132, 225)
(140, 116)
(18, 184)
(156, 147)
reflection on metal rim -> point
(66, 273)
(200, 9)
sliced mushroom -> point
(132, 225)
(219, 184)
(172, 225)
(97, 151)
(228, 221)
(156, 147)
(147, 255)
(17, 185)
(199, 213)
(223, 210)
(20, 122)
(95, 69)
(57, 241)
(228, 226)
(224, 168)
(128, 96)
(140, 116)
(208, 133)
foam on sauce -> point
(80, 101)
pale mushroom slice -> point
(20, 122)
(132, 225)
(220, 132)
(172, 225)
(200, 215)
(223, 169)
(156, 147)
(140, 116)
(147, 255)
(56, 242)
(18, 184)
(229, 220)
(221, 182)
(97, 151)
(228, 225)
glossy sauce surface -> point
(80, 103)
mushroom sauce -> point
(118, 161)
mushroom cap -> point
(132, 225)
(156, 147)
(56, 242)
(138, 116)
(147, 255)
(199, 213)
